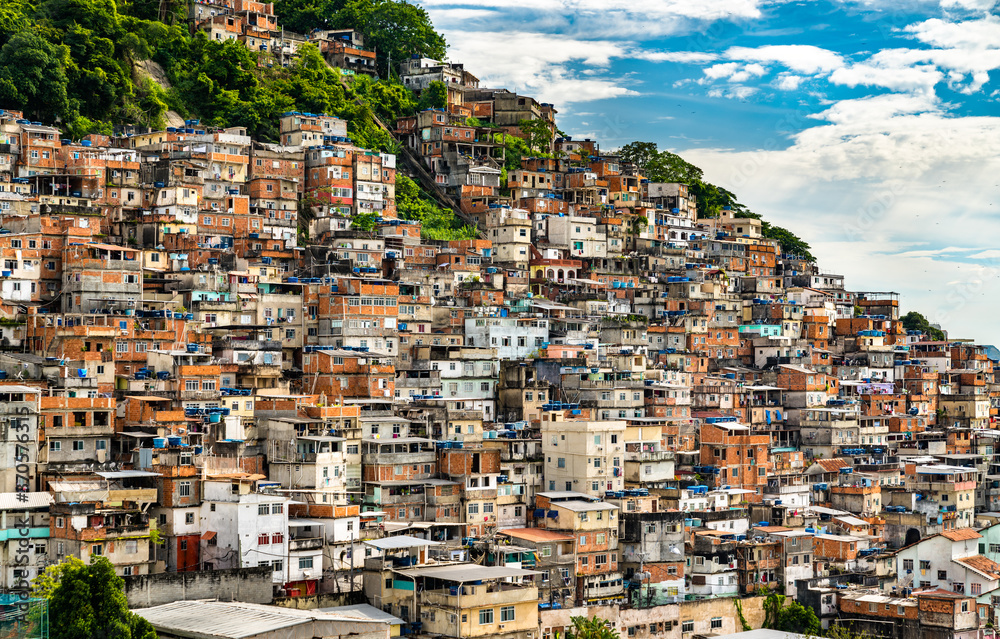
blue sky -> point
(870, 128)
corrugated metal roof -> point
(21, 501)
(402, 541)
(467, 572)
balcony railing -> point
(313, 543)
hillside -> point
(93, 65)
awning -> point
(208, 536)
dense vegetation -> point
(914, 321)
(80, 64)
(664, 166)
(395, 30)
(435, 223)
(88, 600)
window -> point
(263, 509)
(506, 614)
(97, 549)
(716, 622)
(305, 563)
(907, 564)
(184, 489)
(77, 444)
(687, 625)
(188, 518)
(55, 446)
(485, 616)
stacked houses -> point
(608, 401)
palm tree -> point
(593, 628)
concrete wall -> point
(251, 585)
(700, 611)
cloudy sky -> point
(869, 127)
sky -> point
(869, 128)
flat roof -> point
(16, 388)
(21, 501)
(401, 541)
(581, 506)
(366, 611)
(125, 474)
(536, 534)
(236, 620)
(563, 494)
(467, 572)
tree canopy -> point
(664, 166)
(791, 618)
(87, 601)
(590, 628)
(435, 96)
(914, 321)
(394, 29)
(436, 223)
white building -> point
(513, 338)
(244, 529)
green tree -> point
(664, 166)
(638, 154)
(394, 29)
(365, 222)
(15, 16)
(436, 223)
(792, 618)
(914, 321)
(435, 96)
(537, 133)
(590, 628)
(33, 78)
(87, 601)
(670, 167)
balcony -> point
(312, 543)
(649, 456)
(199, 396)
(246, 344)
(496, 594)
(612, 383)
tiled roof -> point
(982, 565)
(832, 465)
(961, 534)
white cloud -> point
(975, 5)
(685, 57)
(799, 58)
(733, 72)
(892, 77)
(788, 82)
(734, 92)
(540, 65)
(936, 252)
(991, 254)
(979, 34)
(723, 70)
(612, 18)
